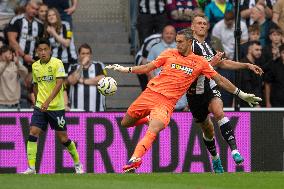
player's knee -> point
(218, 114)
(34, 132)
(63, 140)
(124, 123)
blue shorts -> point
(55, 118)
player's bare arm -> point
(233, 65)
(35, 90)
(55, 91)
(221, 81)
(135, 69)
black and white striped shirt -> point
(202, 84)
(28, 32)
(152, 6)
(149, 42)
(65, 54)
(87, 97)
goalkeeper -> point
(180, 68)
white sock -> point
(235, 152)
(33, 168)
(132, 158)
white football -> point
(107, 86)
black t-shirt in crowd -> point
(275, 76)
(60, 5)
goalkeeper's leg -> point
(155, 126)
(129, 121)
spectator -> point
(278, 14)
(42, 12)
(142, 54)
(83, 78)
(254, 35)
(258, 15)
(167, 41)
(249, 80)
(151, 19)
(180, 12)
(216, 10)
(247, 7)
(203, 3)
(19, 35)
(271, 51)
(274, 81)
(61, 38)
(224, 30)
(63, 8)
(10, 70)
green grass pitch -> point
(254, 180)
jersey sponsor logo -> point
(187, 70)
(47, 78)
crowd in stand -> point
(262, 26)
(50, 19)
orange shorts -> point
(154, 104)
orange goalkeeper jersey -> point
(178, 73)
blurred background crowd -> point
(152, 26)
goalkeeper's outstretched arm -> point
(251, 99)
(135, 69)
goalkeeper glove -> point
(251, 99)
(117, 67)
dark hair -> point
(85, 46)
(229, 15)
(254, 28)
(250, 43)
(187, 33)
(281, 48)
(6, 48)
(42, 41)
(275, 29)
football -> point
(107, 86)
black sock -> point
(66, 144)
(228, 134)
(210, 145)
(32, 138)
